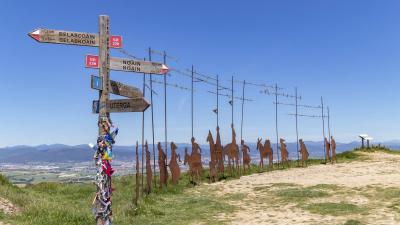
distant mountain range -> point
(58, 153)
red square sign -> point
(92, 61)
(115, 41)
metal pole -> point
(232, 101)
(276, 121)
(165, 111)
(297, 130)
(144, 94)
(329, 126)
(137, 174)
(192, 99)
(323, 126)
(241, 124)
(152, 121)
(217, 101)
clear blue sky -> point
(345, 50)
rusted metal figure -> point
(162, 166)
(219, 153)
(333, 148)
(213, 160)
(232, 151)
(246, 156)
(304, 153)
(173, 164)
(213, 171)
(284, 152)
(149, 172)
(210, 140)
(194, 161)
(265, 151)
(327, 150)
(270, 152)
(189, 161)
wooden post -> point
(104, 72)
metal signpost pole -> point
(297, 130)
(152, 122)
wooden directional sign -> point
(72, 38)
(122, 105)
(128, 65)
(116, 88)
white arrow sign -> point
(128, 65)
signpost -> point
(122, 105)
(73, 38)
(104, 106)
(116, 88)
(128, 65)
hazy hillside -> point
(59, 153)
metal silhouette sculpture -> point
(219, 153)
(246, 156)
(194, 161)
(333, 148)
(265, 151)
(232, 151)
(284, 153)
(327, 150)
(213, 171)
(213, 158)
(162, 166)
(149, 172)
(189, 161)
(173, 164)
(304, 153)
(210, 140)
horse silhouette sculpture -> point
(162, 166)
(284, 153)
(304, 153)
(173, 164)
(149, 172)
(232, 151)
(246, 156)
(265, 151)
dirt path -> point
(365, 191)
(7, 208)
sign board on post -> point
(72, 38)
(128, 65)
(122, 105)
(116, 88)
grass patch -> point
(334, 209)
(352, 222)
(296, 195)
